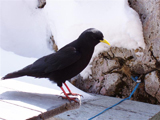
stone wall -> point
(112, 70)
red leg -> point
(67, 88)
(70, 93)
(67, 97)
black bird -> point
(66, 63)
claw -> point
(74, 94)
(67, 97)
(70, 93)
(70, 99)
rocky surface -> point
(112, 69)
(41, 3)
(152, 84)
(149, 12)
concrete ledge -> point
(18, 98)
(156, 117)
(127, 110)
(55, 111)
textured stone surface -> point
(149, 11)
(152, 83)
(110, 83)
(127, 110)
(158, 95)
(119, 64)
(41, 3)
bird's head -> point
(94, 36)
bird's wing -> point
(57, 61)
(62, 59)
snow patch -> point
(25, 30)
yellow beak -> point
(105, 41)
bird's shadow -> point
(43, 101)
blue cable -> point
(135, 79)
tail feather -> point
(16, 74)
(12, 75)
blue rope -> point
(135, 79)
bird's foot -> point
(70, 99)
(73, 94)
(70, 93)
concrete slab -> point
(156, 117)
(14, 112)
(45, 104)
(18, 98)
(127, 110)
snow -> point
(119, 23)
(25, 29)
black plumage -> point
(66, 63)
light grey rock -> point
(152, 83)
(110, 83)
(120, 64)
(158, 95)
(41, 3)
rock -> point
(54, 45)
(149, 11)
(103, 91)
(152, 83)
(41, 3)
(156, 117)
(158, 95)
(112, 69)
(110, 83)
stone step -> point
(127, 110)
(20, 101)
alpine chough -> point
(66, 63)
